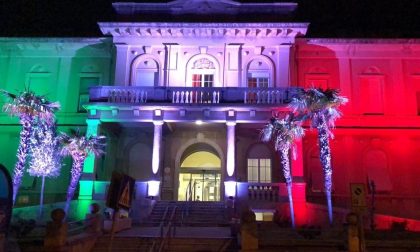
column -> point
(230, 158)
(299, 186)
(153, 185)
(230, 181)
(157, 141)
(87, 180)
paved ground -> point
(192, 232)
(78, 210)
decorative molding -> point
(203, 7)
(91, 46)
(230, 30)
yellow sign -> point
(125, 196)
(358, 195)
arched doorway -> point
(199, 174)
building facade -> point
(182, 100)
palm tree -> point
(284, 132)
(45, 160)
(28, 107)
(79, 147)
(321, 108)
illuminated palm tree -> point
(45, 160)
(284, 132)
(79, 147)
(28, 107)
(321, 108)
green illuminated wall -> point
(62, 69)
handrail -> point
(188, 196)
(170, 227)
(162, 221)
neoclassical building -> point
(182, 89)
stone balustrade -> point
(259, 192)
(190, 95)
(263, 192)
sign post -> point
(359, 207)
(120, 195)
(6, 204)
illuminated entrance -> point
(199, 177)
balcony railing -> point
(190, 95)
(259, 192)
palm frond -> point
(29, 104)
(78, 144)
(284, 131)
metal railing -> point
(167, 230)
(190, 95)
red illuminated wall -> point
(379, 136)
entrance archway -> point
(199, 174)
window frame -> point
(259, 168)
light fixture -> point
(199, 122)
(153, 188)
(230, 188)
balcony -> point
(190, 95)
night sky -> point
(328, 18)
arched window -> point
(259, 73)
(38, 79)
(89, 76)
(372, 91)
(145, 72)
(375, 163)
(137, 162)
(316, 172)
(259, 164)
(317, 77)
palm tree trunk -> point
(22, 152)
(41, 201)
(284, 159)
(76, 171)
(325, 157)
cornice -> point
(238, 30)
(56, 45)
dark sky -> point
(328, 18)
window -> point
(202, 80)
(418, 102)
(372, 94)
(258, 74)
(259, 170)
(258, 82)
(85, 84)
(146, 78)
(146, 73)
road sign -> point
(120, 191)
(358, 196)
(5, 200)
(126, 192)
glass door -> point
(199, 186)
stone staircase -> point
(192, 213)
(179, 244)
(123, 244)
(200, 226)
